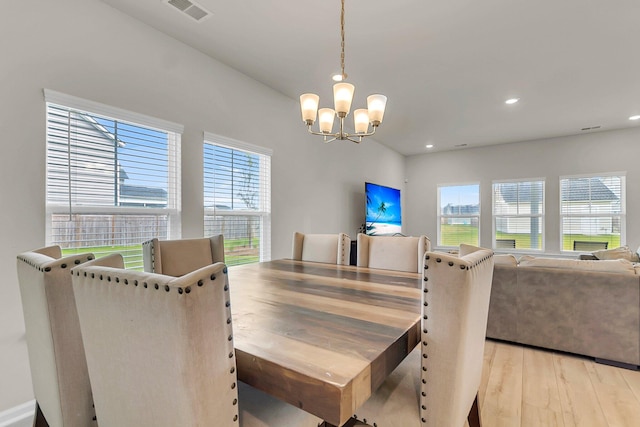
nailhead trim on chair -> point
(425, 292)
(232, 370)
(354, 417)
(153, 253)
(156, 286)
(425, 303)
(187, 289)
(48, 268)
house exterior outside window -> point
(593, 210)
(458, 215)
(518, 215)
(112, 178)
(237, 198)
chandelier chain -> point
(342, 41)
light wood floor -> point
(524, 387)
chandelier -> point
(342, 97)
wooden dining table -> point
(319, 336)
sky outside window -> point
(459, 195)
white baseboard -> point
(18, 416)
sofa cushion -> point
(610, 266)
(623, 252)
(505, 259)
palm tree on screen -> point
(382, 209)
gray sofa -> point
(592, 313)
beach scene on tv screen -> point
(383, 210)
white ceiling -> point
(446, 66)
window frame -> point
(174, 134)
(264, 211)
(623, 206)
(439, 215)
(494, 216)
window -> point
(237, 198)
(112, 178)
(458, 214)
(592, 209)
(518, 214)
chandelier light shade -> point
(326, 120)
(361, 120)
(376, 105)
(309, 106)
(342, 98)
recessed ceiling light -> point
(338, 77)
(634, 118)
(512, 101)
(429, 145)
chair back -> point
(179, 257)
(159, 348)
(392, 252)
(56, 353)
(456, 293)
(328, 248)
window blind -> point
(237, 198)
(518, 214)
(593, 209)
(111, 183)
(458, 214)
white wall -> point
(87, 49)
(611, 151)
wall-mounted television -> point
(383, 210)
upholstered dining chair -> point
(392, 252)
(160, 350)
(56, 354)
(181, 256)
(328, 248)
(437, 384)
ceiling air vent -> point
(190, 8)
(591, 128)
